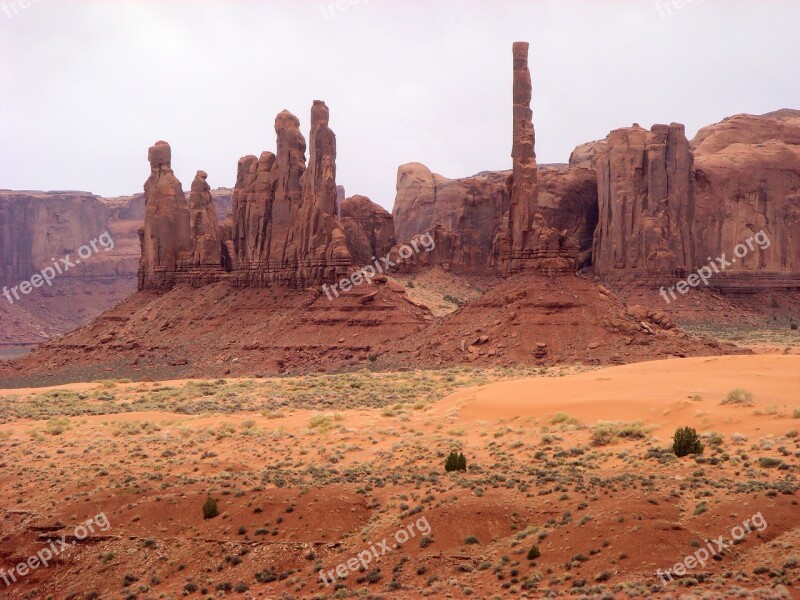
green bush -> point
(455, 462)
(687, 442)
(210, 509)
(534, 553)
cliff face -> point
(37, 228)
(368, 229)
(468, 216)
(568, 203)
(646, 203)
(668, 207)
(747, 181)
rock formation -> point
(646, 203)
(586, 155)
(469, 216)
(203, 224)
(747, 181)
(167, 245)
(38, 228)
(668, 207)
(568, 203)
(368, 228)
(284, 216)
(523, 183)
(531, 242)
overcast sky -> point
(86, 86)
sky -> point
(86, 86)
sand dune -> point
(663, 393)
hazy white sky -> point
(86, 86)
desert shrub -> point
(686, 441)
(739, 396)
(56, 426)
(210, 509)
(769, 463)
(455, 462)
(563, 418)
(471, 540)
(374, 576)
(534, 553)
(453, 300)
(266, 576)
(608, 433)
(796, 413)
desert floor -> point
(571, 489)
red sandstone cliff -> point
(368, 228)
(468, 216)
(747, 181)
(646, 203)
(668, 207)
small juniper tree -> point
(455, 462)
(210, 508)
(687, 442)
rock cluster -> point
(179, 241)
(283, 226)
